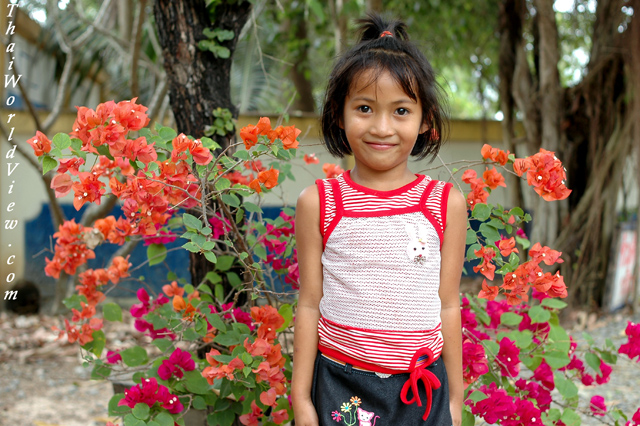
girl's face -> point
(381, 123)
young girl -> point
(380, 251)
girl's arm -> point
(305, 345)
(452, 254)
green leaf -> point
(221, 418)
(468, 419)
(48, 164)
(134, 356)
(523, 242)
(191, 221)
(253, 208)
(131, 420)
(97, 344)
(73, 302)
(230, 199)
(478, 396)
(112, 312)
(162, 344)
(481, 212)
(211, 257)
(224, 263)
(570, 418)
(470, 251)
(115, 409)
(191, 247)
(234, 279)
(195, 383)
(242, 155)
(213, 277)
(593, 361)
(539, 314)
(523, 339)
(565, 386)
(472, 237)
(167, 133)
(100, 372)
(199, 403)
(61, 141)
(141, 411)
(228, 339)
(219, 292)
(553, 303)
(156, 253)
(222, 184)
(287, 313)
(490, 233)
(509, 318)
(261, 252)
(216, 322)
(164, 419)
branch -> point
(135, 49)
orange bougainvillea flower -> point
(172, 289)
(249, 135)
(332, 170)
(494, 154)
(311, 158)
(493, 178)
(179, 304)
(269, 178)
(478, 194)
(268, 397)
(507, 246)
(289, 136)
(270, 321)
(258, 348)
(201, 154)
(545, 173)
(488, 292)
(544, 254)
(40, 144)
(486, 267)
(558, 288)
(255, 185)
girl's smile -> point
(381, 123)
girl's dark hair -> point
(395, 54)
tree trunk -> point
(199, 82)
(297, 26)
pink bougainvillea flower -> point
(635, 420)
(632, 347)
(280, 416)
(61, 184)
(113, 357)
(508, 358)
(474, 362)
(605, 373)
(179, 362)
(544, 375)
(597, 405)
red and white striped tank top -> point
(381, 271)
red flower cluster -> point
(179, 361)
(500, 407)
(70, 250)
(40, 144)
(545, 173)
(478, 194)
(632, 347)
(150, 392)
(288, 135)
(276, 240)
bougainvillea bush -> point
(220, 345)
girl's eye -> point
(364, 108)
(402, 111)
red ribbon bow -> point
(420, 373)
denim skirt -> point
(343, 395)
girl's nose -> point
(382, 126)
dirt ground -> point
(42, 381)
